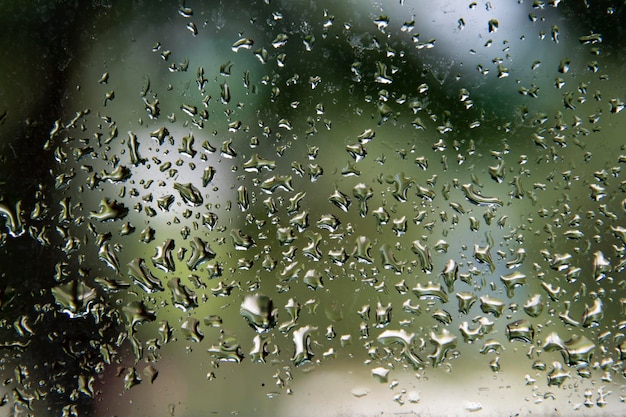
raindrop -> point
(302, 345)
(520, 330)
(444, 342)
(260, 313)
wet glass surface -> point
(312, 208)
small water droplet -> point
(466, 300)
(313, 279)
(340, 200)
(260, 313)
(483, 255)
(242, 43)
(491, 305)
(362, 192)
(383, 315)
(142, 276)
(493, 25)
(109, 210)
(475, 197)
(520, 330)
(443, 342)
(190, 328)
(578, 350)
(430, 291)
(182, 297)
(189, 193)
(302, 345)
(557, 375)
(163, 258)
(564, 65)
(276, 182)
(75, 298)
(405, 340)
(228, 350)
(534, 306)
(593, 314)
(423, 256)
(512, 281)
(381, 374)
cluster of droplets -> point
(408, 227)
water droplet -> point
(362, 250)
(430, 291)
(285, 235)
(182, 297)
(450, 274)
(423, 256)
(517, 261)
(228, 350)
(142, 276)
(276, 182)
(493, 25)
(356, 151)
(260, 313)
(534, 306)
(213, 321)
(466, 300)
(313, 279)
(390, 260)
(190, 194)
(165, 202)
(601, 266)
(472, 406)
(137, 313)
(475, 197)
(302, 345)
(405, 340)
(593, 314)
(442, 316)
(120, 174)
(259, 352)
(150, 373)
(483, 255)
(564, 65)
(363, 193)
(520, 330)
(242, 43)
(131, 378)
(328, 222)
(257, 164)
(512, 281)
(381, 374)
(578, 350)
(163, 258)
(133, 147)
(491, 305)
(108, 256)
(190, 328)
(110, 210)
(75, 298)
(443, 342)
(340, 200)
(557, 375)
(383, 315)
(187, 142)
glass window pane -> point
(312, 208)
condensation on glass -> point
(313, 208)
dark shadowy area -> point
(40, 41)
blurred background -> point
(271, 208)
